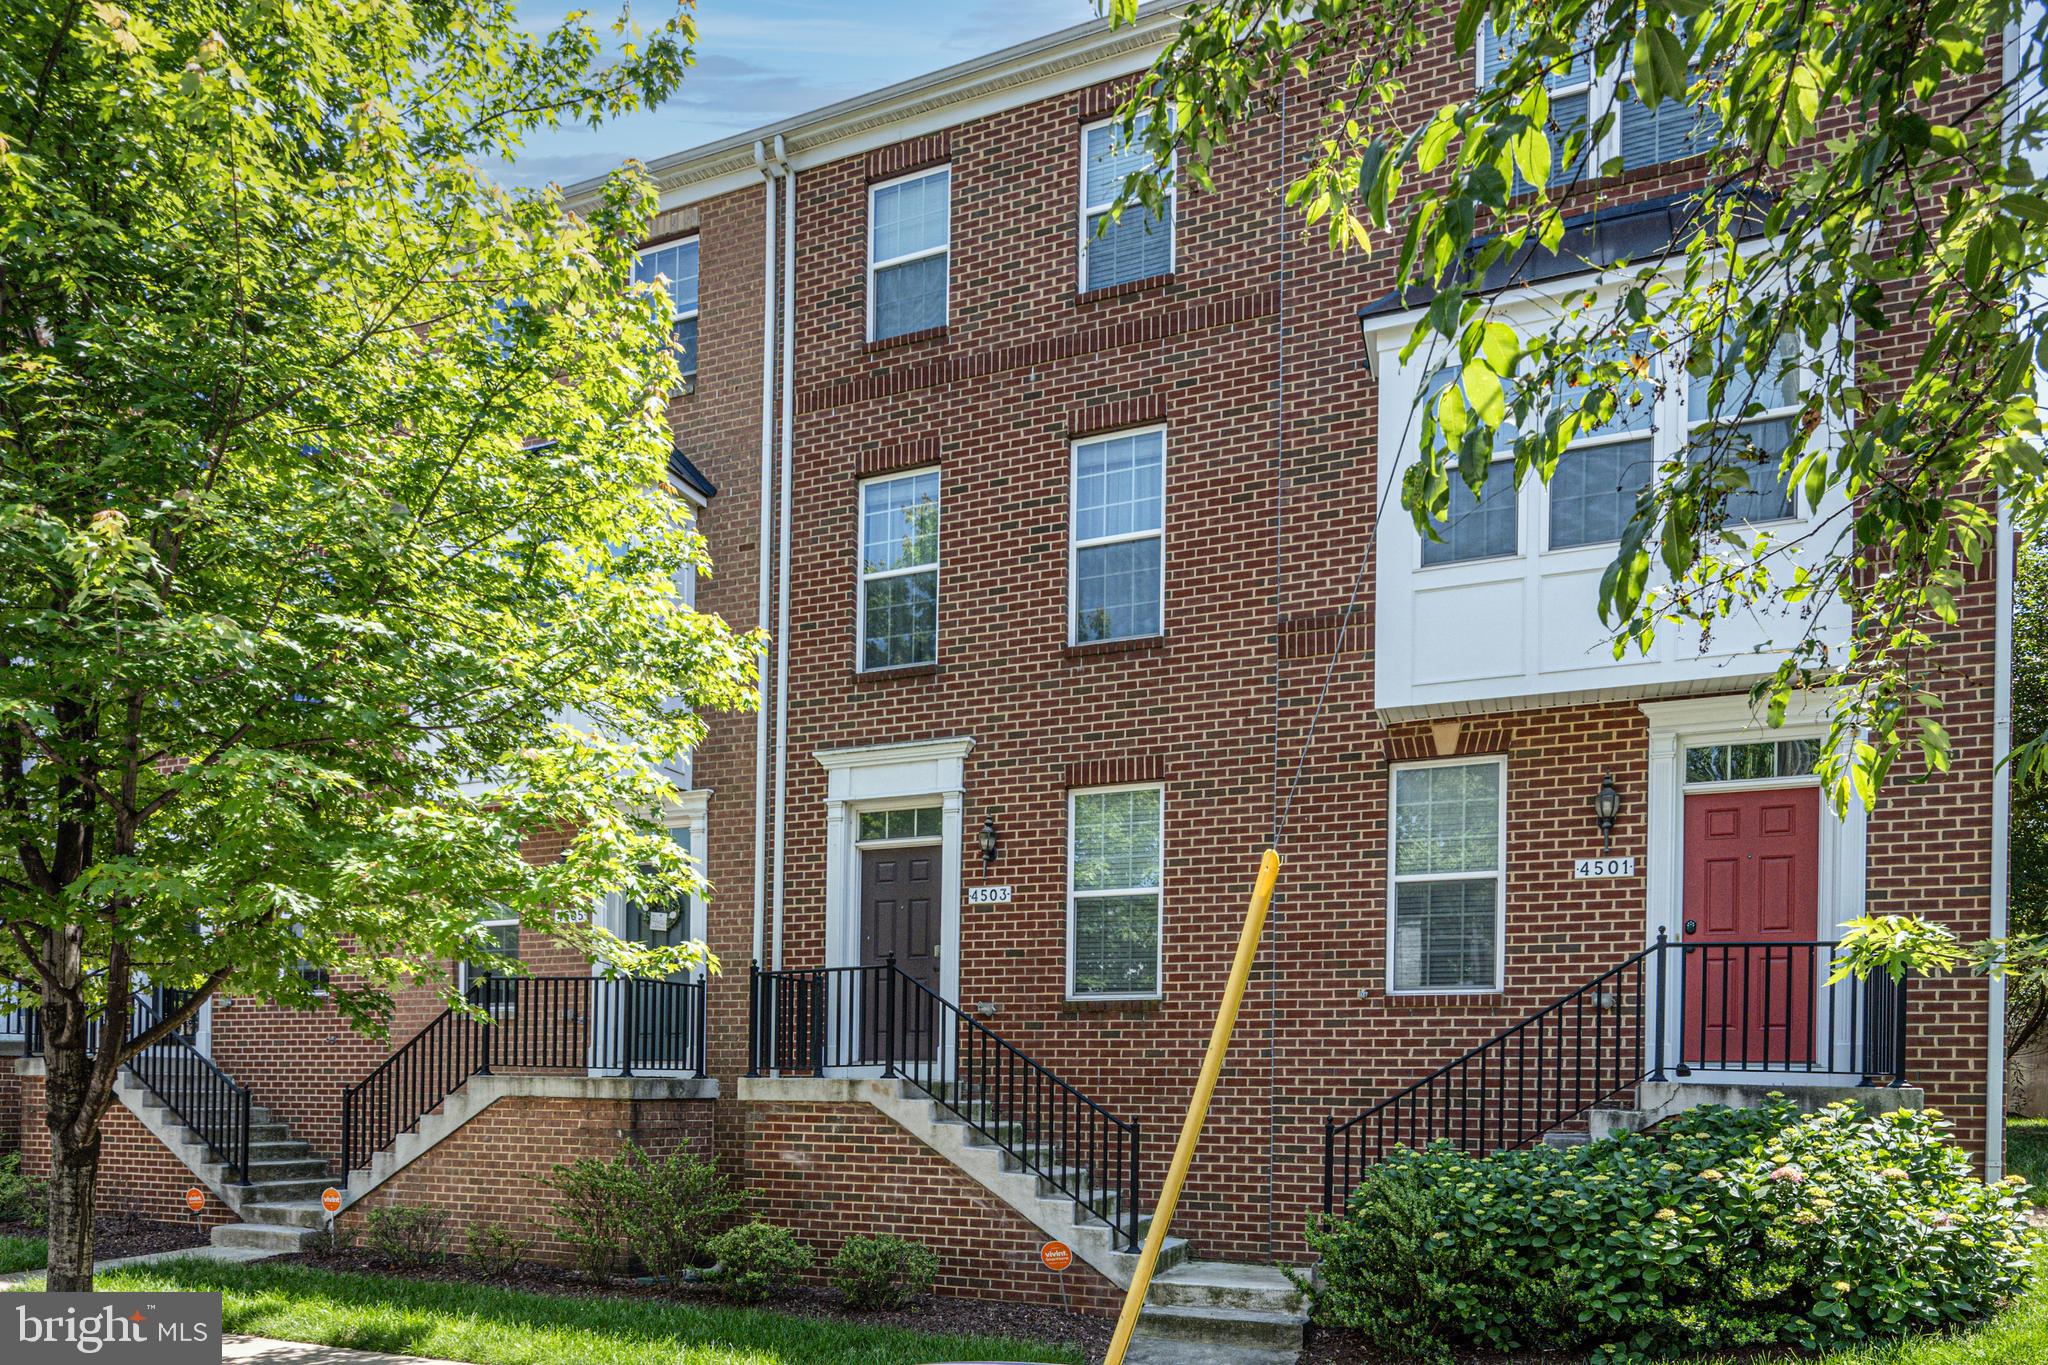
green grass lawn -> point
(22, 1253)
(511, 1327)
(2026, 1152)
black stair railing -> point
(810, 1020)
(1673, 1009)
(208, 1101)
(537, 1024)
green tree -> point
(2027, 894)
(1868, 198)
(335, 552)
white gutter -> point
(2001, 834)
(765, 535)
(782, 544)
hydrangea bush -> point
(1722, 1228)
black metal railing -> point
(529, 1024)
(206, 1099)
(1673, 1009)
(811, 1020)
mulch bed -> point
(113, 1237)
(930, 1315)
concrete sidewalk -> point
(206, 1253)
(269, 1351)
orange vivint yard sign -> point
(195, 1199)
(1056, 1255)
(330, 1199)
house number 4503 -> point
(988, 895)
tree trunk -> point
(74, 1166)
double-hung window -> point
(1746, 428)
(674, 267)
(910, 231)
(1637, 136)
(1136, 246)
(1118, 550)
(1609, 463)
(899, 570)
(497, 948)
(1115, 840)
(1482, 525)
(1449, 834)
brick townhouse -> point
(1082, 571)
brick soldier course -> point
(1248, 356)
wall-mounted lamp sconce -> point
(987, 839)
(1606, 806)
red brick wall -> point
(492, 1169)
(138, 1174)
(1252, 355)
(833, 1171)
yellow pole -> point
(1198, 1106)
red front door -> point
(1752, 883)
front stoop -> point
(1220, 1313)
(279, 1207)
(1196, 1312)
(1059, 1217)
(1657, 1101)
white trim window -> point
(1605, 469)
(1482, 525)
(910, 234)
(1746, 429)
(1116, 839)
(899, 570)
(673, 266)
(1639, 136)
(1138, 245)
(1448, 898)
(498, 940)
(1117, 545)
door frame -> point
(1673, 726)
(689, 810)
(891, 777)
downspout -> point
(2011, 61)
(2001, 834)
(782, 545)
(765, 536)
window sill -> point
(863, 677)
(1136, 644)
(1116, 291)
(1130, 1004)
(937, 333)
(1443, 1000)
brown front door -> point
(899, 914)
(1752, 904)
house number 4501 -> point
(1604, 867)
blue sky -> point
(761, 60)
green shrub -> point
(407, 1234)
(496, 1250)
(23, 1198)
(757, 1261)
(1722, 1229)
(883, 1272)
(662, 1208)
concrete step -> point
(1566, 1137)
(270, 1170)
(1226, 1285)
(288, 1191)
(1172, 1253)
(1232, 1327)
(282, 1149)
(1171, 1351)
(298, 1213)
(263, 1236)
